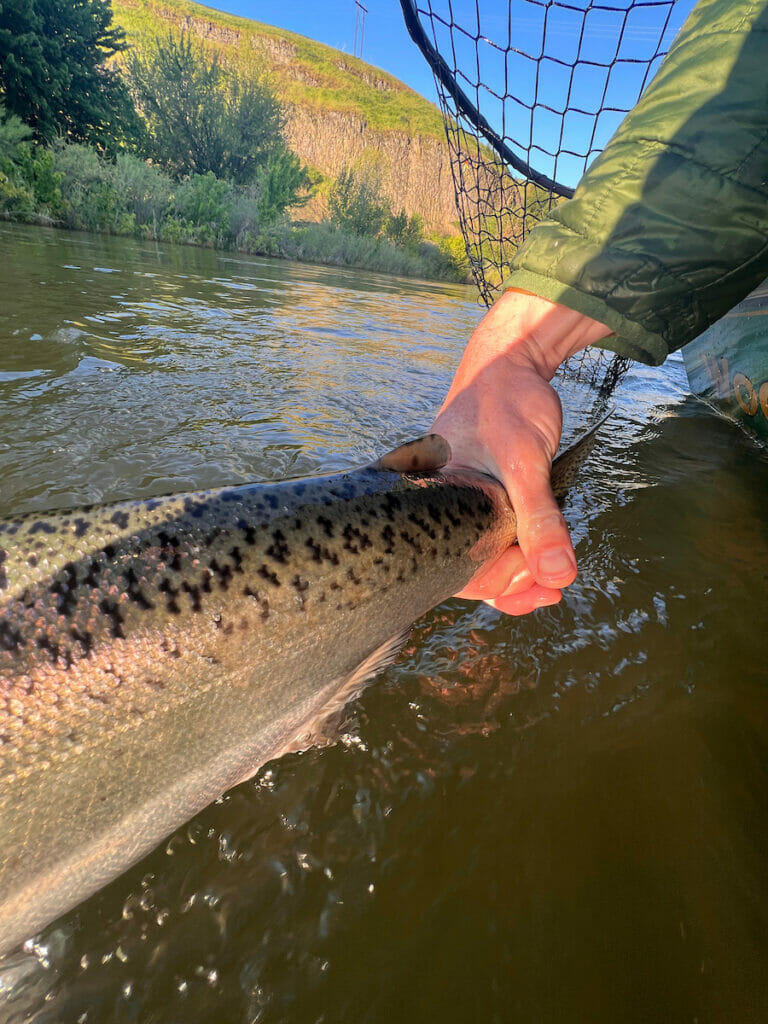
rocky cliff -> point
(340, 109)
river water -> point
(552, 819)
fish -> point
(155, 653)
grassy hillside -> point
(303, 72)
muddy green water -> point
(554, 819)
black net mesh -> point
(531, 91)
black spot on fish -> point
(355, 540)
(260, 599)
(152, 504)
(205, 584)
(41, 526)
(91, 578)
(198, 509)
(388, 536)
(31, 561)
(299, 489)
(300, 586)
(167, 540)
(194, 593)
(279, 549)
(353, 577)
(411, 541)
(63, 587)
(134, 590)
(10, 637)
(237, 558)
(453, 520)
(320, 553)
(120, 519)
(326, 524)
(248, 530)
(171, 593)
(271, 500)
(269, 576)
(175, 562)
(81, 526)
(109, 607)
(422, 524)
(392, 504)
(110, 550)
(335, 585)
(231, 495)
(48, 645)
(84, 638)
(3, 574)
(224, 572)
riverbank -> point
(73, 187)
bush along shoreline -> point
(71, 185)
(165, 143)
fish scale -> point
(155, 653)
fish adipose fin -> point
(328, 723)
(424, 455)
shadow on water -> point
(561, 818)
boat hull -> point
(728, 364)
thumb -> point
(541, 529)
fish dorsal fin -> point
(424, 455)
(567, 464)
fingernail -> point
(555, 563)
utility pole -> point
(360, 13)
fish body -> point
(155, 653)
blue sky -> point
(387, 45)
(386, 42)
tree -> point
(279, 184)
(54, 73)
(405, 231)
(200, 118)
(355, 202)
(13, 132)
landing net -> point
(531, 91)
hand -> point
(502, 416)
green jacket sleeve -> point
(668, 229)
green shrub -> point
(355, 204)
(326, 243)
(146, 190)
(405, 231)
(15, 197)
(202, 205)
(13, 132)
(279, 184)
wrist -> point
(533, 332)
